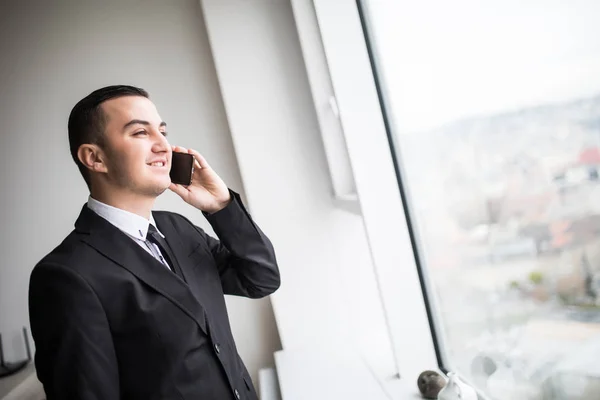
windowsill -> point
(326, 373)
(8, 383)
(403, 389)
(406, 387)
(22, 385)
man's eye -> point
(139, 133)
(165, 133)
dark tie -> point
(156, 238)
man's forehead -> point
(130, 107)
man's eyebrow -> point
(142, 122)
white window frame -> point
(326, 107)
(371, 161)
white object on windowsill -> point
(456, 389)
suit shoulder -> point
(68, 253)
(179, 221)
(179, 225)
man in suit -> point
(130, 305)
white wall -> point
(328, 295)
(51, 55)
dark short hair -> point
(87, 120)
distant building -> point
(585, 169)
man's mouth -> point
(157, 164)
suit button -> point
(237, 394)
(217, 348)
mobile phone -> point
(182, 168)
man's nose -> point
(160, 143)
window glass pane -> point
(495, 112)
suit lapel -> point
(121, 249)
(177, 249)
(181, 252)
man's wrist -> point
(219, 207)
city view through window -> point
(514, 248)
(495, 111)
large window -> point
(494, 113)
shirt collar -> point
(130, 223)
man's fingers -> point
(201, 160)
(179, 149)
(179, 189)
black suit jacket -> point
(111, 322)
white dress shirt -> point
(133, 225)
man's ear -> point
(92, 157)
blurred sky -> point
(445, 60)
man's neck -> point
(135, 204)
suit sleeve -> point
(244, 255)
(75, 357)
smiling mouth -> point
(158, 164)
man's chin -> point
(160, 189)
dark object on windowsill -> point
(430, 383)
(7, 368)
